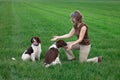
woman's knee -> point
(82, 59)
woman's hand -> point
(54, 38)
(69, 47)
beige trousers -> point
(83, 55)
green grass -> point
(20, 20)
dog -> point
(34, 51)
(52, 55)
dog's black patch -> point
(51, 55)
(29, 51)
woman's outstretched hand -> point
(54, 38)
(69, 47)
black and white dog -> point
(33, 53)
(52, 55)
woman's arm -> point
(72, 31)
(81, 36)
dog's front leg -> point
(38, 56)
(58, 60)
(33, 57)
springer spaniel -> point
(33, 53)
(52, 55)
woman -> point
(79, 29)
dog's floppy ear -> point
(38, 40)
(61, 43)
(32, 39)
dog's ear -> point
(61, 43)
(64, 43)
(32, 39)
(38, 40)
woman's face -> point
(73, 19)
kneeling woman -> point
(79, 29)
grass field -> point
(22, 19)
